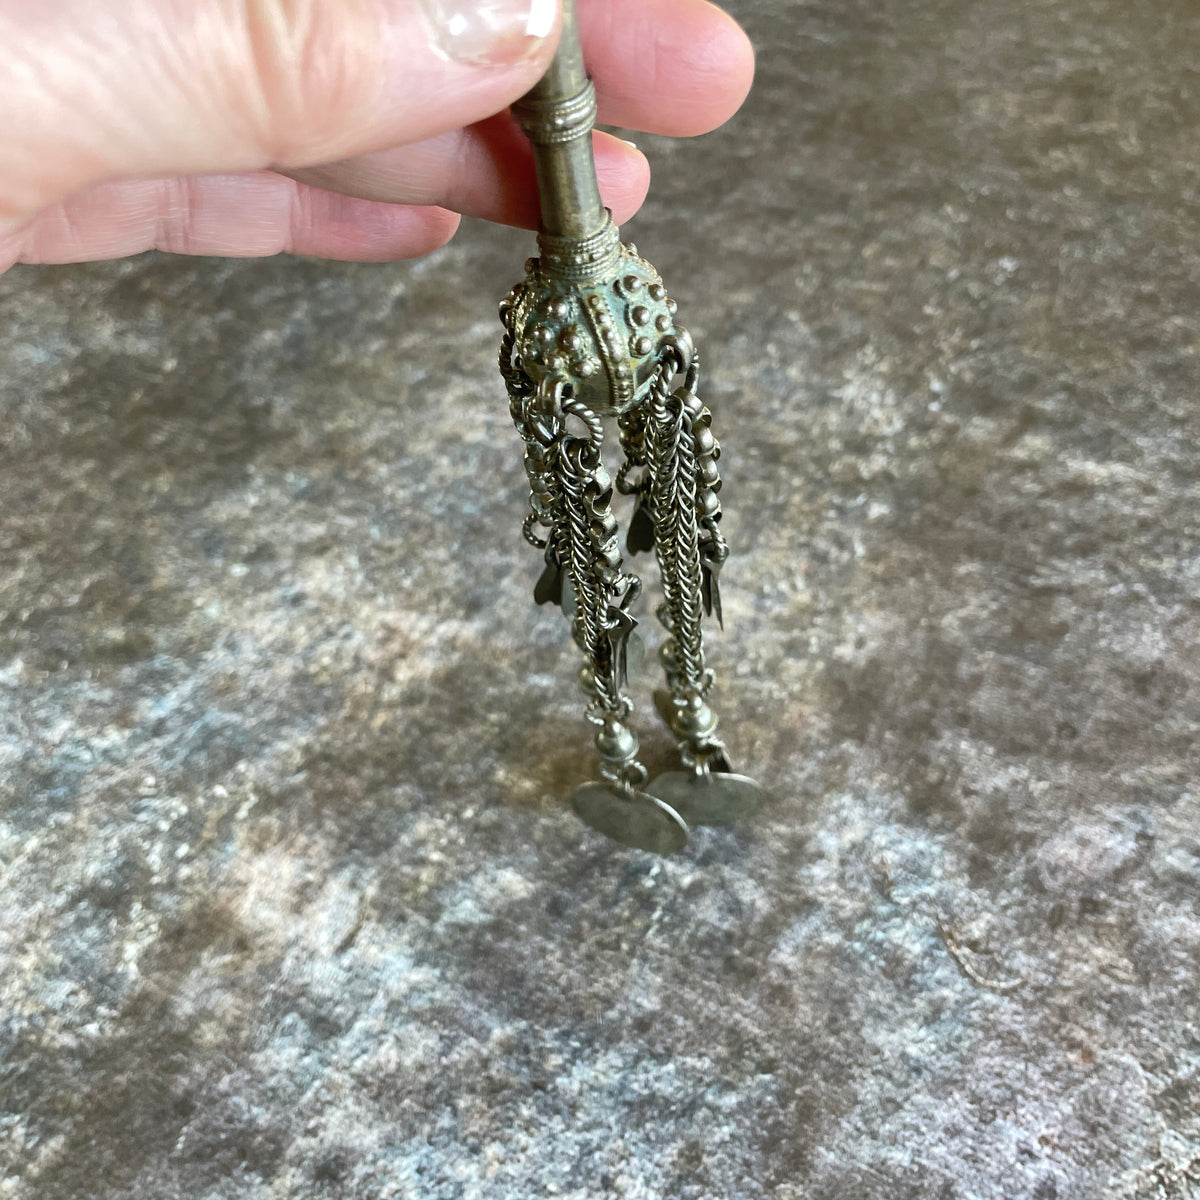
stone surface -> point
(291, 903)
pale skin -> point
(321, 127)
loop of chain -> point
(632, 428)
(626, 776)
(538, 543)
(575, 408)
(596, 712)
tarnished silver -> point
(708, 798)
(633, 819)
(590, 335)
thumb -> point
(104, 89)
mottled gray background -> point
(291, 903)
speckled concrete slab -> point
(291, 902)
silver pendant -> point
(590, 335)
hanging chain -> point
(671, 463)
(571, 496)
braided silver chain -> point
(671, 463)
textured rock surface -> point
(291, 905)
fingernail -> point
(490, 31)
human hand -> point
(351, 129)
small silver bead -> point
(616, 742)
(695, 719)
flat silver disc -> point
(631, 818)
(710, 799)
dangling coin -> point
(632, 818)
(708, 799)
